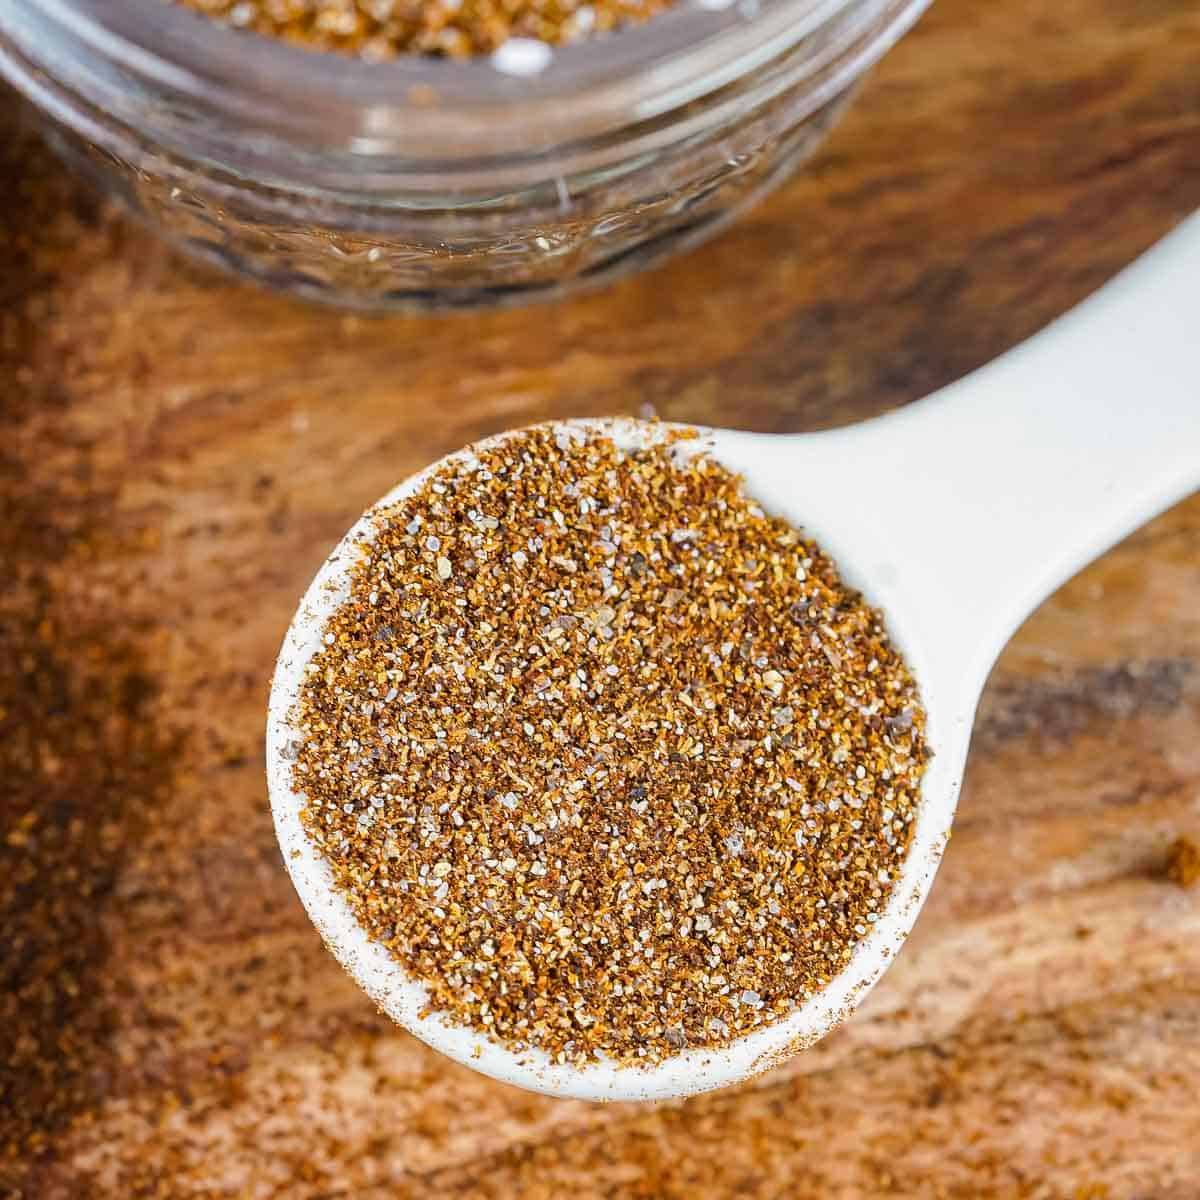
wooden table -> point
(178, 452)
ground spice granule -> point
(382, 29)
(610, 759)
(1183, 862)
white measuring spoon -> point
(957, 515)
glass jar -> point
(423, 183)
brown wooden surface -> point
(178, 452)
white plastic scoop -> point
(956, 516)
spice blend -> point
(609, 758)
(381, 29)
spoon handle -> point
(1010, 480)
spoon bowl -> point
(693, 1070)
(955, 516)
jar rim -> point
(682, 55)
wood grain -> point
(179, 451)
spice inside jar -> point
(381, 29)
(604, 755)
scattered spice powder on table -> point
(382, 29)
(610, 759)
